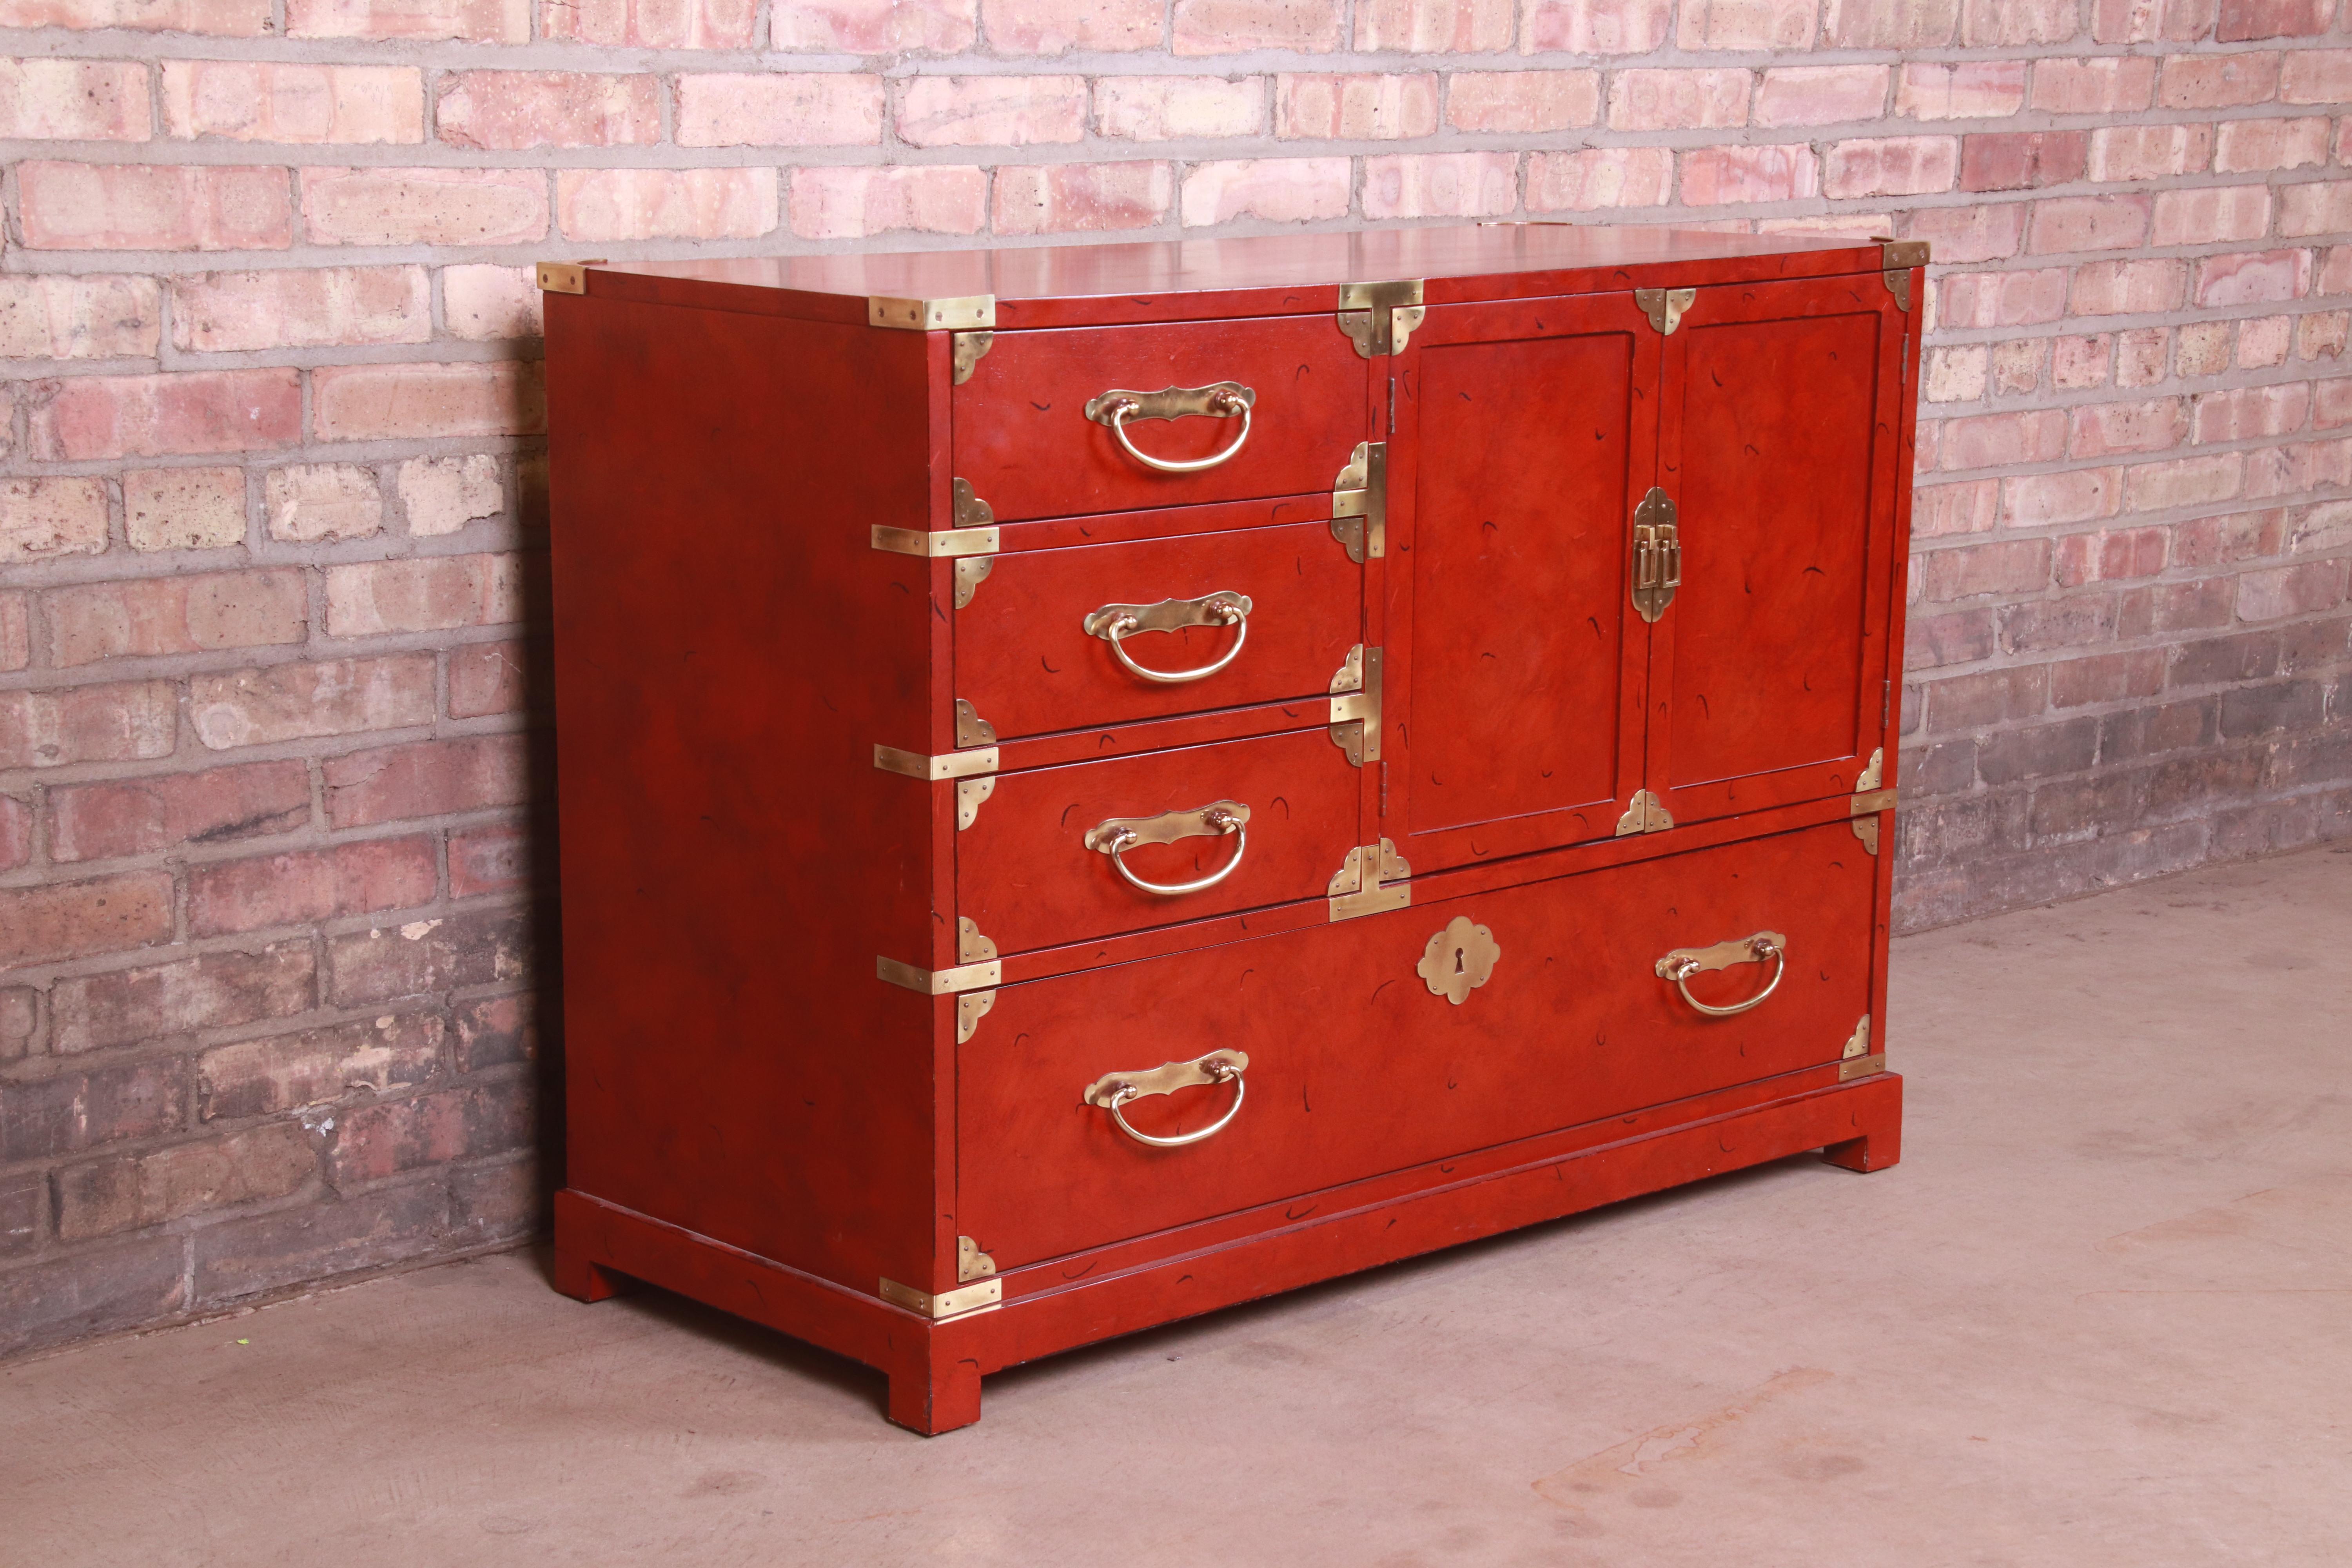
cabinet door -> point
(1777, 446)
(1526, 432)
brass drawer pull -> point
(1220, 400)
(1113, 1091)
(1685, 961)
(1119, 833)
(1222, 608)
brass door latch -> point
(1657, 554)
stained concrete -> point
(2099, 1315)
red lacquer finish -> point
(829, 1026)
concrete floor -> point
(2099, 1315)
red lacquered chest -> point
(1100, 782)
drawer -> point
(1028, 876)
(1356, 1067)
(1029, 664)
(1023, 439)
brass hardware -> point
(951, 765)
(1359, 502)
(971, 348)
(1221, 400)
(1896, 259)
(1858, 1045)
(971, 946)
(1356, 715)
(1223, 818)
(565, 277)
(972, 1263)
(1685, 961)
(947, 1303)
(1351, 673)
(1458, 960)
(1647, 814)
(931, 315)
(1114, 1092)
(970, 1008)
(972, 730)
(970, 572)
(940, 982)
(1861, 1067)
(969, 795)
(1353, 893)
(971, 511)
(1657, 554)
(1664, 306)
(1869, 800)
(1380, 318)
(951, 542)
(1222, 608)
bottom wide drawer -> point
(1296, 1061)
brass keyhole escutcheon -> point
(1458, 960)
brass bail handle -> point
(1115, 623)
(1115, 1091)
(1117, 836)
(1685, 961)
(1221, 400)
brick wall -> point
(270, 533)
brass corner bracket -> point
(941, 982)
(1350, 674)
(1896, 257)
(974, 533)
(972, 1263)
(970, 349)
(1379, 318)
(1647, 814)
(1356, 715)
(1869, 800)
(1664, 306)
(948, 765)
(565, 277)
(1370, 879)
(971, 310)
(972, 948)
(1359, 502)
(972, 730)
(954, 1303)
(1856, 1060)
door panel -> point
(1779, 450)
(1514, 687)
(1357, 1067)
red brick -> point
(184, 509)
(2021, 160)
(423, 206)
(23, 1216)
(1435, 26)
(88, 1292)
(667, 204)
(1967, 507)
(1522, 103)
(97, 416)
(2249, 413)
(433, 593)
(310, 503)
(491, 304)
(252, 101)
(240, 1258)
(1678, 99)
(69, 919)
(2106, 557)
(2316, 75)
(2089, 223)
(52, 728)
(385, 1139)
(1991, 232)
(298, 887)
(1960, 703)
(470, 21)
(779, 109)
(129, 1192)
(841, 27)
(1068, 198)
(1964, 89)
(293, 701)
(16, 631)
(2106, 678)
(489, 860)
(391, 402)
(210, 991)
(720, 24)
(98, 821)
(473, 948)
(2243, 19)
(2217, 81)
(429, 778)
(1276, 190)
(2120, 152)
(41, 518)
(15, 848)
(1746, 25)
(925, 198)
(1595, 26)
(1235, 26)
(1891, 24)
(44, 1118)
(2077, 495)
(2319, 208)
(508, 111)
(150, 617)
(2185, 481)
(73, 100)
(2101, 429)
(1994, 440)
(489, 677)
(282, 1072)
(1820, 95)
(495, 1030)
(222, 18)
(2290, 591)
(216, 312)
(2105, 84)
(2255, 146)
(1441, 185)
(1365, 107)
(53, 316)
(1600, 177)
(442, 495)
(2128, 287)
(2002, 299)
(2210, 214)
(992, 110)
(159, 206)
(2007, 568)
(1058, 27)
(2013, 22)
(1182, 108)
(1712, 175)
(1890, 167)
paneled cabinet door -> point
(1778, 448)
(1525, 435)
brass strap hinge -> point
(973, 534)
(931, 315)
(1370, 879)
(1857, 1060)
(1379, 318)
(565, 277)
(1657, 554)
(1664, 306)
(954, 1303)
(1356, 715)
(1647, 814)
(1869, 800)
(972, 1263)
(970, 349)
(1359, 502)
(1896, 257)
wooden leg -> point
(585, 1282)
(1872, 1151)
(935, 1396)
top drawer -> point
(1024, 440)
